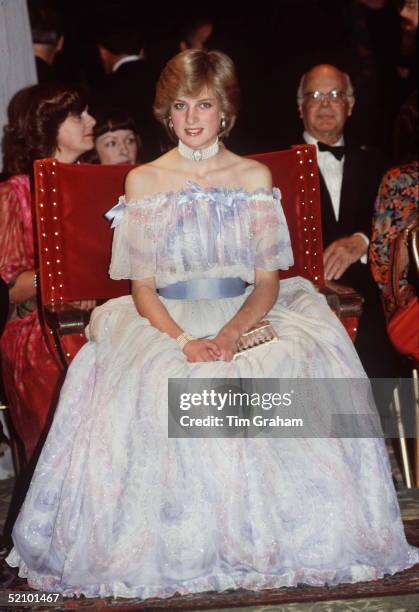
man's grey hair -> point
(350, 92)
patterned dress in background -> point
(396, 208)
(30, 372)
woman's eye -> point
(130, 140)
(206, 105)
(179, 106)
(110, 143)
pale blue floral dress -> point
(117, 508)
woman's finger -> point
(213, 347)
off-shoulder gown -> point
(117, 508)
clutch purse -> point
(259, 335)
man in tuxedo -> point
(349, 181)
(128, 84)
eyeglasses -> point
(334, 96)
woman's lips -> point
(194, 131)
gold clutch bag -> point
(260, 334)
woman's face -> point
(75, 136)
(409, 14)
(117, 147)
(196, 121)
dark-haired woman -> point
(48, 120)
(117, 140)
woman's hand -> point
(227, 344)
(201, 350)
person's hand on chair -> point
(341, 254)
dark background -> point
(272, 44)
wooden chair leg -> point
(14, 443)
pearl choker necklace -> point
(198, 154)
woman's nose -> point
(190, 115)
(90, 121)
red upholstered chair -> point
(74, 238)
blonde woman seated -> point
(116, 508)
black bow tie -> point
(338, 152)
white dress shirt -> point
(331, 169)
(332, 172)
(124, 60)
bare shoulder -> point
(255, 175)
(141, 181)
(151, 178)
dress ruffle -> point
(199, 232)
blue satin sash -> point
(204, 289)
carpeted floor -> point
(399, 593)
(396, 593)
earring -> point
(170, 123)
(223, 123)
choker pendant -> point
(198, 154)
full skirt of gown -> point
(117, 508)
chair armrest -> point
(343, 300)
(63, 318)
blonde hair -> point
(187, 74)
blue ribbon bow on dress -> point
(116, 213)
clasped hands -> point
(341, 254)
(221, 348)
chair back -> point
(74, 237)
(295, 172)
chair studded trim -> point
(74, 243)
(295, 172)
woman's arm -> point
(265, 293)
(140, 182)
(150, 307)
(23, 288)
(257, 305)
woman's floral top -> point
(396, 208)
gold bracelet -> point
(183, 339)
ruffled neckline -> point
(195, 190)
